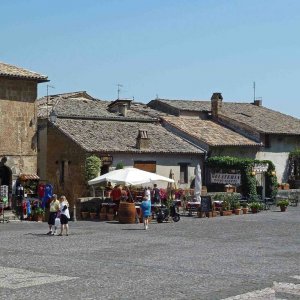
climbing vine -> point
(92, 167)
(248, 181)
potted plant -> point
(38, 214)
(225, 210)
(245, 207)
(237, 207)
(283, 204)
(255, 207)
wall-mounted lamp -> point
(53, 116)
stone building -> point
(18, 122)
(235, 129)
(120, 131)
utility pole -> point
(254, 90)
(52, 87)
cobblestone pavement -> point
(254, 256)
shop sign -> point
(224, 178)
(259, 168)
(106, 160)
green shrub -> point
(92, 167)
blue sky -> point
(176, 49)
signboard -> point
(106, 160)
(206, 204)
(259, 168)
(224, 178)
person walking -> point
(64, 215)
(54, 208)
(146, 208)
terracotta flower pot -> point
(245, 210)
(282, 208)
(237, 211)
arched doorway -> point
(5, 173)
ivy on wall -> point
(294, 164)
(92, 167)
(248, 180)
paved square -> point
(234, 257)
(13, 278)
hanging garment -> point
(48, 194)
(41, 190)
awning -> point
(29, 177)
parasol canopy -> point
(198, 183)
(129, 176)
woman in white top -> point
(64, 215)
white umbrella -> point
(198, 184)
(129, 176)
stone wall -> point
(18, 124)
(65, 157)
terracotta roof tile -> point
(210, 132)
(7, 70)
(259, 118)
(117, 136)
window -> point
(183, 172)
(62, 172)
(149, 166)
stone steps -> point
(8, 216)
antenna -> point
(254, 90)
(119, 89)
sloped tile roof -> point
(209, 132)
(7, 70)
(259, 118)
(190, 105)
(82, 107)
(117, 136)
(77, 104)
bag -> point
(57, 222)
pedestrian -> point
(54, 208)
(146, 208)
(156, 195)
(64, 215)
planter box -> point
(226, 213)
(110, 217)
(102, 216)
(85, 215)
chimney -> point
(122, 107)
(216, 104)
(257, 102)
(142, 140)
